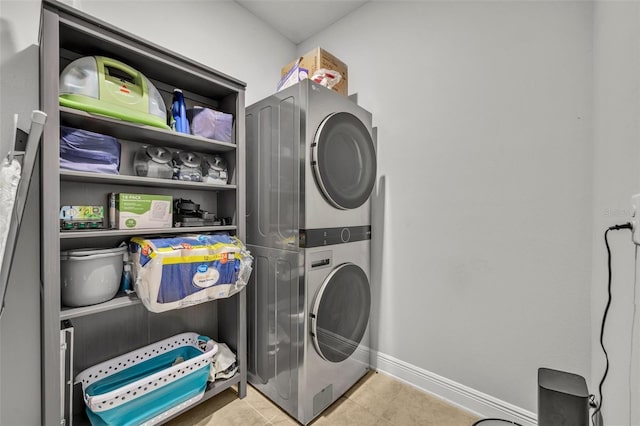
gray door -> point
(340, 312)
(343, 158)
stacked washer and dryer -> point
(311, 168)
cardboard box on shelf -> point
(142, 211)
(317, 59)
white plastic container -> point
(90, 276)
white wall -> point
(494, 203)
(221, 35)
(19, 22)
(616, 178)
(484, 112)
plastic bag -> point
(85, 151)
(172, 273)
(211, 124)
(326, 78)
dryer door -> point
(340, 312)
(343, 158)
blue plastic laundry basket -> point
(148, 385)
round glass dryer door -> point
(344, 160)
(340, 312)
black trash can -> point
(563, 399)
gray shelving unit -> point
(103, 331)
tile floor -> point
(377, 399)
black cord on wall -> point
(494, 420)
(604, 318)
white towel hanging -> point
(10, 170)
(14, 188)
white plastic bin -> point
(90, 276)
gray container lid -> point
(92, 253)
(561, 381)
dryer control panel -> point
(331, 236)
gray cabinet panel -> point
(276, 322)
(272, 155)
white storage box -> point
(148, 385)
(138, 211)
(172, 273)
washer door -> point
(340, 312)
(344, 160)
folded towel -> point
(9, 179)
(85, 151)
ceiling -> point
(297, 20)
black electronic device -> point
(186, 213)
(563, 398)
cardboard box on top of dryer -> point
(295, 75)
(318, 59)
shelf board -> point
(131, 232)
(140, 132)
(213, 389)
(88, 177)
(115, 303)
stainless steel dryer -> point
(311, 164)
(308, 325)
(311, 167)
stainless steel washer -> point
(309, 334)
(338, 303)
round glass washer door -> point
(340, 312)
(343, 159)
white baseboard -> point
(469, 399)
